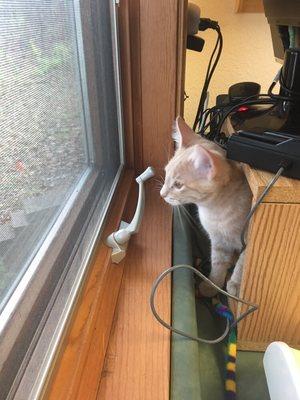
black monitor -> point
(284, 19)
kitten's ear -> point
(183, 135)
(204, 162)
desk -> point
(271, 276)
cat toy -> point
(222, 310)
(230, 378)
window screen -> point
(45, 145)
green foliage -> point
(60, 54)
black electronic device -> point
(194, 25)
(267, 136)
(195, 43)
(262, 130)
(242, 90)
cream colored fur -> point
(199, 173)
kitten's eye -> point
(177, 185)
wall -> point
(247, 53)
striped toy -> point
(230, 381)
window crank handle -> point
(118, 240)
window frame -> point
(51, 275)
(104, 373)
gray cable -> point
(252, 307)
(258, 202)
(157, 282)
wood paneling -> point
(271, 278)
(77, 371)
(137, 360)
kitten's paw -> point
(233, 288)
(206, 290)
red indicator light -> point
(243, 108)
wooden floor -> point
(136, 365)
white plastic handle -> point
(118, 240)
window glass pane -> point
(43, 143)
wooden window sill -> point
(136, 364)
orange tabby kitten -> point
(199, 173)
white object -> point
(118, 240)
(282, 369)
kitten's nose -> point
(163, 192)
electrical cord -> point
(210, 69)
(270, 98)
(279, 78)
(202, 114)
(252, 307)
(258, 202)
(205, 107)
(251, 100)
(217, 133)
(209, 74)
(159, 279)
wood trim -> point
(137, 364)
(136, 344)
(126, 66)
(158, 22)
(150, 67)
(181, 55)
(157, 68)
(76, 372)
(136, 87)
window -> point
(61, 153)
